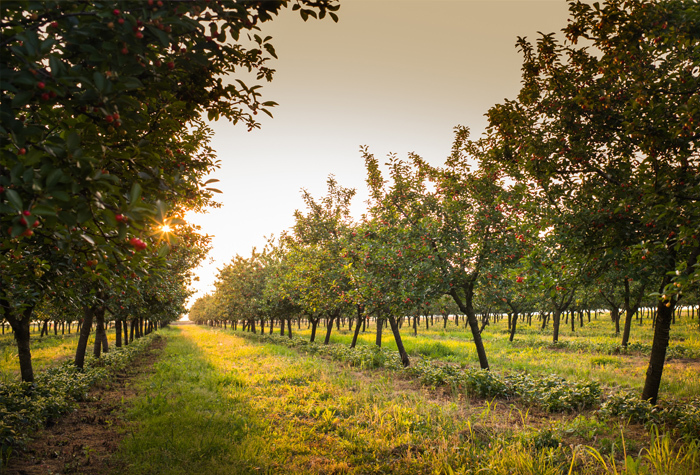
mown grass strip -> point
(221, 404)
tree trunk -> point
(662, 330)
(22, 329)
(556, 319)
(314, 324)
(118, 333)
(399, 343)
(329, 329)
(380, 326)
(615, 314)
(357, 329)
(513, 325)
(88, 315)
(100, 333)
(467, 308)
(573, 321)
(289, 328)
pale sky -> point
(395, 75)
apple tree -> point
(607, 119)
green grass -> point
(47, 351)
(583, 354)
(221, 404)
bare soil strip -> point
(83, 441)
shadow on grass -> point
(191, 419)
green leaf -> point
(131, 83)
(60, 195)
(214, 190)
(43, 210)
(72, 140)
(21, 98)
(99, 80)
(163, 251)
(135, 193)
(54, 177)
(88, 239)
(14, 199)
(67, 218)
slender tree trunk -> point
(399, 343)
(329, 329)
(380, 326)
(88, 315)
(616, 318)
(100, 334)
(118, 333)
(289, 328)
(282, 322)
(556, 319)
(573, 321)
(513, 325)
(314, 324)
(125, 329)
(22, 329)
(357, 330)
(662, 331)
(466, 307)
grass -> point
(583, 354)
(221, 404)
(47, 351)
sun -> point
(166, 228)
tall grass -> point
(221, 404)
(591, 352)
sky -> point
(394, 75)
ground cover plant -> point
(26, 407)
(47, 351)
(591, 352)
(220, 403)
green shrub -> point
(627, 406)
(26, 407)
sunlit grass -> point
(579, 356)
(221, 404)
(46, 351)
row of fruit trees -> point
(584, 191)
(104, 147)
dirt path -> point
(83, 441)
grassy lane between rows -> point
(221, 404)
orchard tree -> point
(455, 217)
(100, 119)
(606, 120)
(316, 269)
(239, 288)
